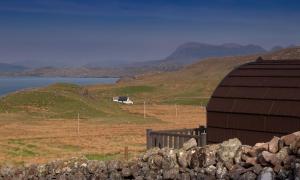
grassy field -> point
(42, 124)
(41, 140)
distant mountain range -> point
(191, 52)
(185, 54)
(8, 68)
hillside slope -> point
(199, 79)
(66, 101)
(183, 55)
(6, 68)
(191, 85)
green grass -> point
(68, 147)
(65, 101)
(187, 101)
(20, 151)
(101, 157)
(16, 142)
(57, 101)
(132, 90)
(18, 147)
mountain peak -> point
(192, 51)
(231, 45)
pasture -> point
(39, 139)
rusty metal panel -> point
(258, 93)
(215, 135)
(286, 108)
(266, 73)
(217, 119)
(252, 137)
(270, 66)
(255, 102)
(252, 106)
(282, 124)
(261, 82)
(246, 122)
(222, 92)
(246, 92)
(220, 104)
(283, 94)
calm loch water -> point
(11, 84)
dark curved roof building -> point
(255, 102)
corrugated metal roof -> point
(255, 102)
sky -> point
(78, 32)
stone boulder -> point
(274, 145)
(189, 144)
(266, 174)
(228, 150)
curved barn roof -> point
(256, 101)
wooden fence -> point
(175, 138)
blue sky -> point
(81, 31)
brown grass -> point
(41, 140)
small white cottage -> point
(122, 99)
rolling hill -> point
(191, 85)
(6, 68)
(185, 54)
(199, 79)
(192, 52)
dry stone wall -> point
(277, 159)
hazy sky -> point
(81, 31)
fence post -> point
(148, 138)
(202, 135)
(144, 109)
(126, 153)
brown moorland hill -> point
(199, 79)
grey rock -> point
(283, 154)
(273, 145)
(261, 146)
(139, 178)
(149, 153)
(228, 150)
(270, 157)
(114, 165)
(297, 171)
(182, 158)
(150, 175)
(221, 171)
(96, 166)
(205, 177)
(169, 159)
(190, 156)
(185, 176)
(204, 157)
(236, 172)
(171, 173)
(288, 139)
(189, 144)
(238, 156)
(211, 170)
(126, 172)
(115, 176)
(257, 169)
(284, 174)
(155, 162)
(266, 174)
(294, 146)
(248, 176)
